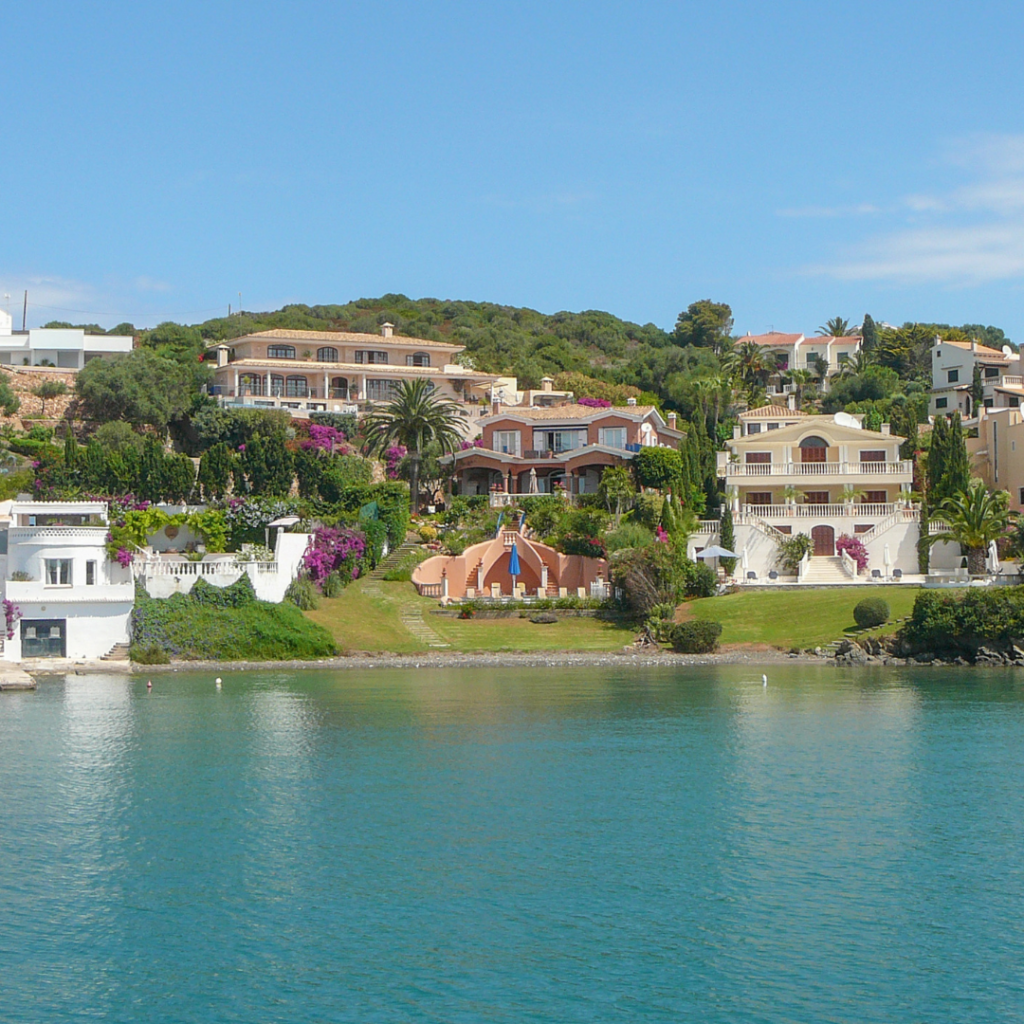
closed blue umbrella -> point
(513, 565)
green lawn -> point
(793, 618)
(364, 622)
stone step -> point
(119, 652)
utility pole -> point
(24, 311)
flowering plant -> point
(660, 535)
(392, 457)
(124, 557)
(854, 547)
(594, 403)
(476, 443)
(334, 550)
(11, 614)
(322, 438)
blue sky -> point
(796, 160)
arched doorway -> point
(339, 387)
(824, 540)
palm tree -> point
(976, 517)
(837, 327)
(750, 363)
(856, 364)
(414, 417)
(800, 379)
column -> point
(236, 383)
(327, 385)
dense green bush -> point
(237, 595)
(697, 637)
(659, 574)
(187, 629)
(872, 611)
(303, 594)
(148, 654)
(959, 622)
(629, 535)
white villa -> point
(76, 603)
(799, 352)
(953, 364)
(66, 348)
(786, 473)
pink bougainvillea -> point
(124, 557)
(594, 403)
(392, 457)
(334, 549)
(854, 547)
(12, 613)
(323, 438)
(660, 535)
(478, 443)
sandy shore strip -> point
(445, 659)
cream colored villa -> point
(799, 352)
(333, 371)
(824, 476)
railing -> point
(731, 469)
(1009, 380)
(86, 534)
(901, 515)
(849, 509)
(802, 567)
(848, 564)
(152, 567)
(709, 527)
(433, 589)
(501, 499)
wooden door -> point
(824, 540)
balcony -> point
(730, 470)
(851, 510)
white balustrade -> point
(731, 469)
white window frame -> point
(508, 441)
(60, 569)
(609, 437)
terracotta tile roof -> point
(369, 369)
(771, 412)
(571, 412)
(771, 338)
(982, 350)
(326, 336)
(842, 339)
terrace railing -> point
(733, 469)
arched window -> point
(250, 384)
(276, 385)
(296, 387)
(280, 351)
(418, 359)
(327, 355)
(813, 449)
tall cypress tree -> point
(937, 461)
(956, 475)
(868, 334)
(727, 538)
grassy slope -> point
(793, 618)
(365, 622)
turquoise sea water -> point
(528, 845)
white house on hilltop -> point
(67, 348)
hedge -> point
(698, 637)
(958, 623)
(192, 628)
(872, 611)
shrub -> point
(872, 611)
(655, 575)
(958, 623)
(629, 535)
(454, 544)
(792, 550)
(333, 585)
(402, 572)
(698, 637)
(303, 594)
(588, 547)
(427, 533)
(148, 654)
(663, 611)
(854, 547)
(701, 580)
(544, 617)
(237, 595)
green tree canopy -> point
(705, 324)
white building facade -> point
(67, 348)
(73, 601)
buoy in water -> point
(149, 684)
(764, 679)
(217, 681)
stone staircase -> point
(393, 558)
(119, 652)
(825, 569)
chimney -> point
(791, 401)
(737, 432)
(387, 330)
(546, 383)
(974, 344)
(671, 421)
(630, 401)
(886, 428)
(222, 355)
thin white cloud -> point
(964, 236)
(149, 284)
(860, 210)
